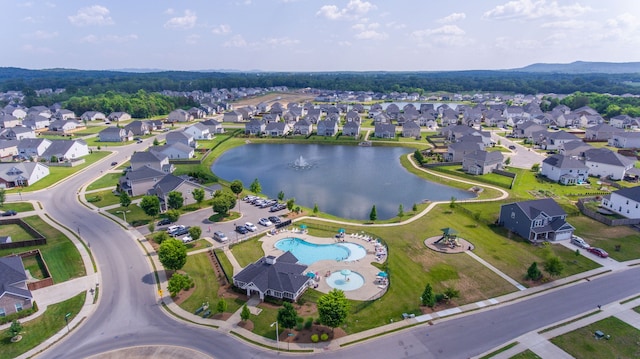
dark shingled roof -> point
(285, 275)
(12, 273)
(547, 205)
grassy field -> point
(607, 238)
(247, 252)
(38, 330)
(527, 354)
(582, 344)
(16, 232)
(102, 198)
(59, 253)
(18, 206)
(108, 180)
(134, 214)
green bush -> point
(97, 198)
(324, 337)
(314, 338)
(308, 324)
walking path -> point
(496, 271)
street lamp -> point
(66, 320)
(277, 335)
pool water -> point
(309, 253)
(352, 281)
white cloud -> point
(281, 41)
(371, 35)
(534, 9)
(187, 21)
(118, 39)
(571, 24)
(25, 4)
(170, 11)
(344, 43)
(355, 9)
(36, 50)
(456, 16)
(236, 41)
(92, 15)
(221, 29)
(395, 25)
(42, 35)
(446, 30)
(192, 39)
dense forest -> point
(608, 106)
(78, 82)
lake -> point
(345, 181)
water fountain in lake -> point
(301, 164)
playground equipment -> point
(449, 238)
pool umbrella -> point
(382, 274)
(303, 226)
(345, 272)
(341, 230)
(311, 275)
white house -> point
(16, 174)
(564, 169)
(179, 115)
(198, 131)
(603, 162)
(625, 202)
(66, 149)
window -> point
(18, 307)
(538, 223)
(2, 312)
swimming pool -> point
(351, 281)
(309, 253)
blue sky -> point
(316, 35)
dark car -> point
(242, 229)
(9, 213)
(181, 232)
(114, 163)
(598, 251)
(164, 222)
(512, 147)
(275, 219)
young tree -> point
(428, 298)
(507, 161)
(175, 200)
(236, 187)
(156, 142)
(151, 227)
(287, 316)
(15, 328)
(3, 196)
(418, 156)
(255, 186)
(221, 307)
(172, 254)
(452, 202)
(173, 215)
(290, 203)
(245, 314)
(400, 211)
(198, 195)
(533, 273)
(220, 205)
(195, 232)
(373, 215)
(161, 237)
(333, 308)
(553, 265)
(281, 196)
(535, 167)
(415, 207)
(125, 200)
(150, 205)
(315, 209)
(179, 282)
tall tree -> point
(198, 195)
(290, 203)
(400, 211)
(333, 308)
(175, 200)
(245, 314)
(373, 215)
(150, 205)
(195, 232)
(221, 307)
(236, 187)
(255, 186)
(287, 316)
(172, 254)
(125, 200)
(3, 196)
(533, 272)
(315, 209)
(428, 298)
(281, 195)
(173, 215)
(223, 201)
(553, 265)
(418, 156)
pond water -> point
(345, 181)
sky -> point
(316, 35)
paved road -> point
(128, 314)
(522, 157)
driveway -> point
(521, 157)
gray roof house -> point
(36, 122)
(302, 127)
(65, 126)
(8, 149)
(199, 131)
(182, 137)
(351, 128)
(410, 129)
(33, 147)
(177, 150)
(118, 116)
(14, 294)
(603, 162)
(7, 121)
(536, 220)
(526, 129)
(327, 127)
(138, 128)
(277, 129)
(385, 130)
(179, 115)
(565, 169)
(93, 116)
(457, 150)
(171, 183)
(232, 116)
(254, 127)
(17, 133)
(141, 181)
(625, 202)
(21, 174)
(555, 140)
(625, 140)
(152, 159)
(66, 149)
(480, 162)
(280, 277)
(601, 132)
(214, 126)
(115, 134)
(574, 148)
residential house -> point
(154, 125)
(64, 126)
(555, 140)
(282, 277)
(480, 162)
(18, 112)
(33, 147)
(66, 149)
(327, 127)
(175, 151)
(622, 121)
(179, 115)
(255, 127)
(141, 181)
(601, 132)
(7, 121)
(115, 134)
(138, 128)
(93, 116)
(182, 137)
(40, 110)
(392, 111)
(157, 161)
(171, 183)
(302, 127)
(17, 133)
(565, 170)
(353, 116)
(625, 202)
(118, 116)
(198, 131)
(603, 162)
(385, 130)
(351, 128)
(454, 133)
(36, 122)
(277, 128)
(270, 117)
(15, 295)
(196, 113)
(21, 174)
(526, 129)
(457, 150)
(232, 116)
(410, 129)
(625, 140)
(536, 220)
(64, 114)
(214, 126)
(8, 149)
(574, 148)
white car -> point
(187, 239)
(579, 242)
(265, 222)
(250, 226)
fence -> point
(47, 281)
(602, 218)
(38, 239)
(190, 161)
(215, 257)
(70, 163)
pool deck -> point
(370, 290)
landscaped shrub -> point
(97, 198)
(308, 324)
(324, 337)
(314, 338)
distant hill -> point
(584, 67)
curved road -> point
(128, 313)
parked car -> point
(114, 163)
(265, 222)
(180, 232)
(598, 251)
(242, 229)
(220, 236)
(275, 219)
(277, 207)
(164, 222)
(187, 239)
(512, 147)
(250, 226)
(174, 228)
(249, 198)
(579, 242)
(9, 213)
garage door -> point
(563, 235)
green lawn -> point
(247, 252)
(582, 344)
(16, 232)
(134, 214)
(40, 329)
(226, 264)
(527, 354)
(102, 198)
(605, 237)
(59, 253)
(18, 206)
(108, 180)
